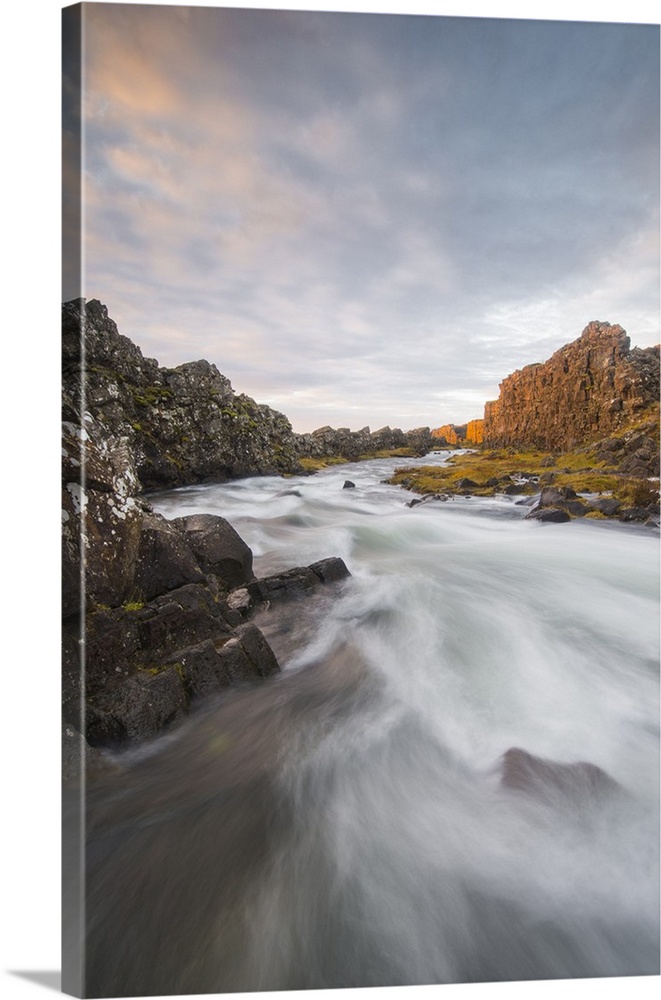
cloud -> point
(371, 216)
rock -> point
(164, 559)
(578, 784)
(465, 483)
(639, 514)
(203, 670)
(239, 600)
(79, 759)
(217, 547)
(608, 506)
(552, 515)
(576, 508)
(552, 496)
(348, 485)
(296, 582)
(137, 709)
(292, 583)
(260, 656)
(330, 570)
(329, 442)
(211, 666)
(179, 425)
(588, 389)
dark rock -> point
(637, 468)
(217, 548)
(203, 670)
(164, 559)
(605, 456)
(348, 485)
(551, 496)
(292, 583)
(553, 515)
(578, 784)
(465, 483)
(514, 489)
(261, 659)
(576, 508)
(329, 442)
(639, 514)
(112, 643)
(137, 709)
(182, 618)
(610, 445)
(608, 506)
(178, 425)
(209, 667)
(330, 570)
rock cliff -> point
(587, 390)
(155, 611)
(460, 434)
(166, 426)
(340, 442)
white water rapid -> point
(346, 824)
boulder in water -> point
(579, 783)
(551, 515)
(218, 548)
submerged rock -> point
(578, 783)
(551, 515)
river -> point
(346, 824)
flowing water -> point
(345, 824)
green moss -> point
(134, 602)
(636, 492)
(588, 482)
(151, 394)
(585, 475)
(316, 464)
(387, 453)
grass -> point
(316, 464)
(492, 471)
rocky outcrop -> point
(165, 426)
(460, 434)
(175, 633)
(148, 624)
(453, 434)
(588, 389)
(475, 431)
(329, 442)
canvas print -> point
(360, 500)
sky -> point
(363, 218)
